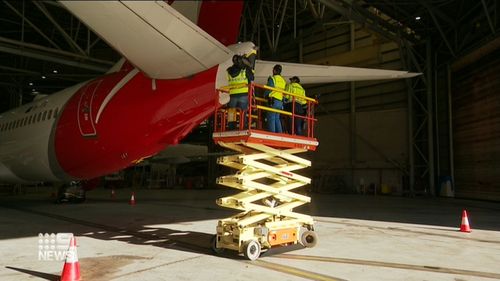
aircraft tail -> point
(221, 19)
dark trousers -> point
(299, 122)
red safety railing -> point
(258, 105)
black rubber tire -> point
(309, 239)
(251, 249)
(213, 244)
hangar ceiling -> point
(44, 49)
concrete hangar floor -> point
(166, 236)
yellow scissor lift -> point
(266, 176)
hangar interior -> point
(390, 153)
(405, 137)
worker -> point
(249, 61)
(238, 92)
(275, 99)
(300, 105)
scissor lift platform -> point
(266, 177)
(266, 166)
(266, 138)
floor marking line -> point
(392, 265)
(294, 271)
(411, 231)
(157, 266)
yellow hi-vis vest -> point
(279, 83)
(241, 78)
(296, 88)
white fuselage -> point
(25, 135)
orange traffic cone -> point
(71, 269)
(132, 199)
(464, 227)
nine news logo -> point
(53, 246)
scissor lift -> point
(266, 176)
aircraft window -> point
(29, 119)
(56, 112)
(25, 121)
(11, 125)
(44, 115)
(39, 117)
(50, 115)
(16, 124)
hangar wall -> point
(380, 135)
(476, 129)
(372, 112)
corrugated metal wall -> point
(355, 148)
(331, 46)
(476, 129)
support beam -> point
(358, 18)
(25, 45)
(450, 125)
(488, 16)
(52, 55)
(22, 71)
(68, 38)
(352, 104)
(430, 127)
(443, 35)
(31, 24)
(280, 26)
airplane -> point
(175, 56)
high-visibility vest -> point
(241, 78)
(296, 88)
(279, 83)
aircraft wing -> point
(152, 35)
(312, 74)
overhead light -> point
(33, 90)
(417, 18)
(43, 77)
(30, 83)
(54, 71)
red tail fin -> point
(221, 19)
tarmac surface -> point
(166, 236)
